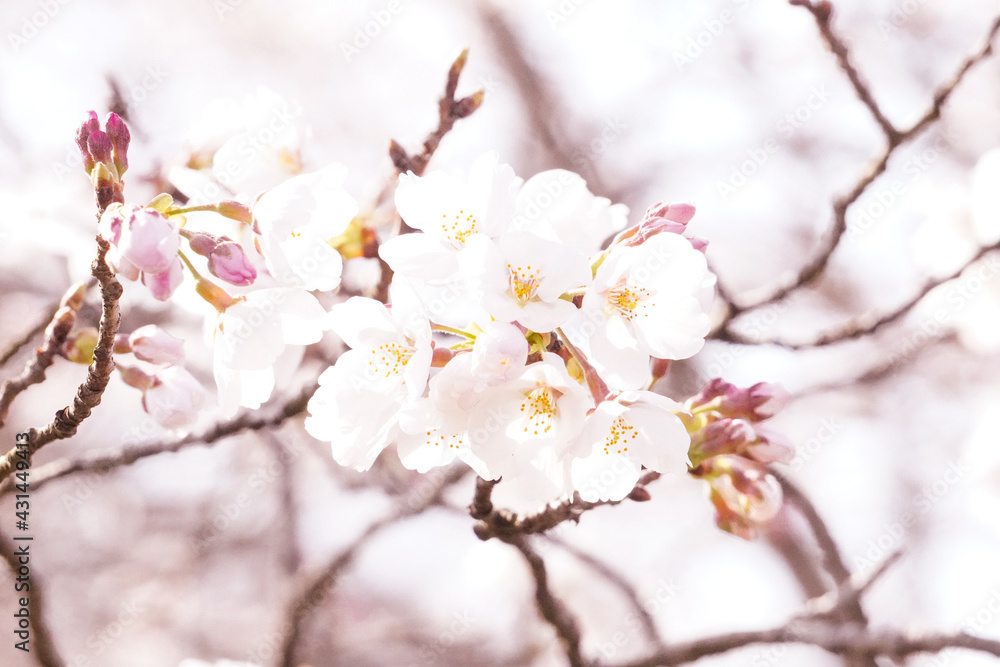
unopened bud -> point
(119, 135)
(90, 125)
(467, 105)
(228, 262)
(441, 356)
(73, 298)
(99, 145)
(234, 210)
(79, 348)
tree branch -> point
(894, 140)
(102, 462)
(312, 590)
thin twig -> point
(503, 523)
(868, 326)
(875, 168)
(550, 607)
(313, 589)
(56, 332)
(621, 583)
(844, 640)
(27, 337)
(103, 462)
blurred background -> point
(733, 105)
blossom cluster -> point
(524, 327)
(515, 342)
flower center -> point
(439, 439)
(459, 227)
(523, 282)
(539, 410)
(627, 299)
(389, 359)
(619, 435)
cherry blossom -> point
(296, 222)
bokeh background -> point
(649, 101)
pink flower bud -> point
(163, 284)
(110, 225)
(153, 344)
(82, 134)
(666, 218)
(228, 262)
(745, 495)
(99, 146)
(175, 398)
(119, 135)
(148, 239)
(761, 401)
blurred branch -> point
(894, 140)
(549, 606)
(832, 560)
(868, 326)
(101, 462)
(56, 332)
(42, 643)
(287, 528)
(26, 338)
(844, 640)
(504, 524)
(822, 12)
(619, 582)
(312, 590)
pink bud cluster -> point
(730, 449)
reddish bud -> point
(119, 136)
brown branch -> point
(27, 337)
(103, 462)
(843, 640)
(818, 263)
(868, 326)
(313, 589)
(41, 642)
(505, 524)
(88, 396)
(550, 607)
(450, 111)
(822, 12)
(56, 332)
(832, 560)
(618, 581)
